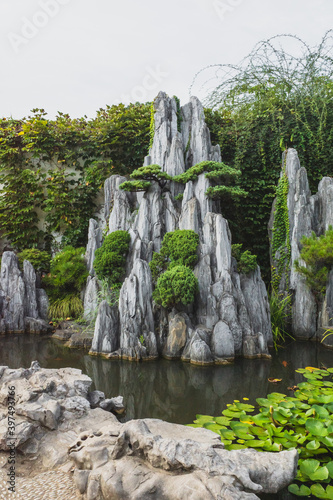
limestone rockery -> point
(307, 213)
(23, 303)
(231, 314)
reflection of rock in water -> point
(170, 390)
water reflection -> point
(170, 390)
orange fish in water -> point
(274, 380)
(57, 359)
(285, 363)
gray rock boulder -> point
(106, 335)
(57, 429)
(95, 238)
(23, 307)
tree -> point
(144, 176)
(317, 254)
(222, 175)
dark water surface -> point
(171, 390)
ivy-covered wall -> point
(52, 170)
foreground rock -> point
(231, 315)
(57, 427)
(23, 306)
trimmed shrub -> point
(177, 285)
(317, 253)
(68, 274)
(110, 259)
(246, 261)
(38, 258)
(178, 248)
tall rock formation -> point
(23, 306)
(231, 315)
(307, 213)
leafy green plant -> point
(110, 259)
(38, 258)
(281, 249)
(67, 277)
(302, 422)
(175, 286)
(179, 248)
(280, 307)
(317, 254)
(246, 261)
(70, 306)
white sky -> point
(76, 56)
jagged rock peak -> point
(222, 323)
(307, 213)
(176, 151)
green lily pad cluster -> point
(303, 422)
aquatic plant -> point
(303, 422)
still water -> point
(171, 390)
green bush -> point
(38, 258)
(177, 285)
(317, 253)
(68, 274)
(178, 248)
(246, 261)
(110, 259)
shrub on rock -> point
(110, 259)
(177, 285)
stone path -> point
(51, 485)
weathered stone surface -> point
(20, 300)
(106, 335)
(42, 303)
(137, 459)
(177, 336)
(177, 463)
(136, 314)
(307, 214)
(111, 186)
(29, 276)
(222, 342)
(90, 303)
(95, 238)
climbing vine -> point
(152, 125)
(271, 101)
(281, 249)
(53, 169)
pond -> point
(171, 390)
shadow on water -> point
(170, 390)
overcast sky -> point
(76, 56)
